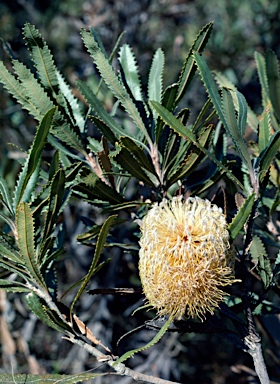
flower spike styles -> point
(185, 257)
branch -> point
(120, 368)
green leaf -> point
(273, 80)
(189, 69)
(39, 101)
(130, 70)
(183, 169)
(112, 81)
(157, 337)
(188, 134)
(26, 243)
(114, 130)
(6, 197)
(269, 153)
(224, 82)
(235, 130)
(56, 197)
(13, 286)
(35, 305)
(48, 378)
(130, 164)
(261, 67)
(42, 58)
(241, 217)
(98, 250)
(261, 260)
(90, 187)
(156, 76)
(30, 172)
(168, 101)
(14, 87)
(63, 131)
(264, 130)
(6, 250)
(78, 118)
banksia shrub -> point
(185, 257)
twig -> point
(120, 368)
(253, 343)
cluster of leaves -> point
(157, 148)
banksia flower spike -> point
(185, 257)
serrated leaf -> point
(261, 260)
(273, 81)
(233, 128)
(113, 82)
(13, 286)
(130, 164)
(56, 197)
(156, 76)
(98, 250)
(48, 378)
(6, 250)
(14, 87)
(155, 339)
(78, 118)
(239, 220)
(6, 196)
(35, 305)
(91, 187)
(182, 170)
(30, 172)
(39, 102)
(168, 101)
(26, 242)
(114, 129)
(224, 82)
(189, 69)
(268, 154)
(130, 70)
(188, 134)
(63, 131)
(265, 130)
(42, 58)
(225, 110)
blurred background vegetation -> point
(240, 29)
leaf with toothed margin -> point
(26, 242)
(239, 220)
(155, 76)
(157, 337)
(130, 70)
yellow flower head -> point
(185, 257)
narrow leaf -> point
(189, 69)
(113, 82)
(26, 242)
(269, 154)
(35, 305)
(189, 135)
(273, 80)
(260, 259)
(157, 337)
(130, 70)
(48, 378)
(265, 130)
(98, 250)
(5, 194)
(239, 220)
(13, 286)
(156, 76)
(30, 171)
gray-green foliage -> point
(154, 145)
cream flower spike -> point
(185, 257)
